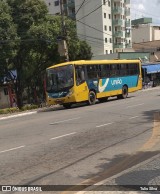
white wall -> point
(96, 39)
(4, 99)
(142, 34)
(156, 33)
(51, 7)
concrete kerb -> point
(29, 112)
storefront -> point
(151, 74)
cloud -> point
(141, 7)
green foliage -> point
(29, 107)
(8, 35)
(28, 37)
(9, 110)
(16, 109)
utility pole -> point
(62, 44)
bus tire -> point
(104, 99)
(124, 92)
(67, 105)
(92, 98)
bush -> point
(29, 107)
(9, 110)
(16, 109)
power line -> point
(80, 7)
(93, 11)
(93, 28)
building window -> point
(106, 51)
(110, 51)
(110, 40)
(49, 4)
(104, 15)
(110, 29)
(105, 28)
(105, 40)
(109, 15)
(109, 3)
(104, 2)
(56, 3)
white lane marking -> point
(104, 125)
(12, 149)
(133, 117)
(63, 136)
(64, 121)
(18, 115)
(134, 105)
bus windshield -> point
(60, 78)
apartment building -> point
(103, 24)
(68, 7)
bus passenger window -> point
(80, 75)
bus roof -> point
(83, 62)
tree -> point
(8, 38)
(25, 13)
(35, 43)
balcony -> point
(127, 1)
(71, 3)
(118, 33)
(117, 10)
(127, 24)
(116, 1)
(65, 6)
(127, 12)
(117, 22)
(71, 15)
(127, 35)
(128, 45)
(118, 45)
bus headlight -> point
(70, 93)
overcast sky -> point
(146, 8)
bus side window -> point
(123, 69)
(93, 71)
(80, 75)
(114, 70)
(105, 71)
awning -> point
(152, 68)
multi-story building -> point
(68, 7)
(143, 30)
(103, 24)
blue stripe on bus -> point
(111, 84)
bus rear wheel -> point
(124, 92)
(92, 98)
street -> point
(82, 145)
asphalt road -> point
(85, 144)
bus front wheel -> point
(92, 98)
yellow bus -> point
(86, 81)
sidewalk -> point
(145, 175)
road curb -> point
(17, 115)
